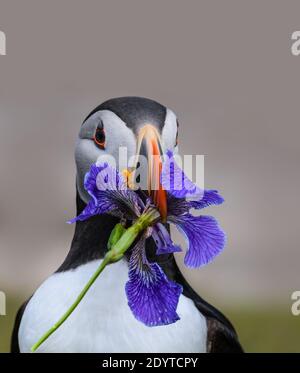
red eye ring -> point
(99, 138)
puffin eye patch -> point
(99, 137)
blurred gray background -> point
(226, 69)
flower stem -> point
(113, 255)
(73, 306)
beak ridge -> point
(150, 147)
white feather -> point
(169, 131)
(103, 321)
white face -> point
(101, 136)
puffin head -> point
(139, 126)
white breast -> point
(103, 321)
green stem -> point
(113, 255)
(73, 306)
(131, 233)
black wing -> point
(221, 335)
(221, 339)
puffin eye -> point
(99, 137)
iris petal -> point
(152, 297)
(204, 237)
(175, 181)
(109, 193)
(89, 211)
(210, 197)
(180, 206)
(177, 206)
(163, 240)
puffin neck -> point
(90, 242)
(90, 239)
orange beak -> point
(149, 147)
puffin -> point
(103, 321)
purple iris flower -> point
(152, 297)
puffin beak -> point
(149, 146)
